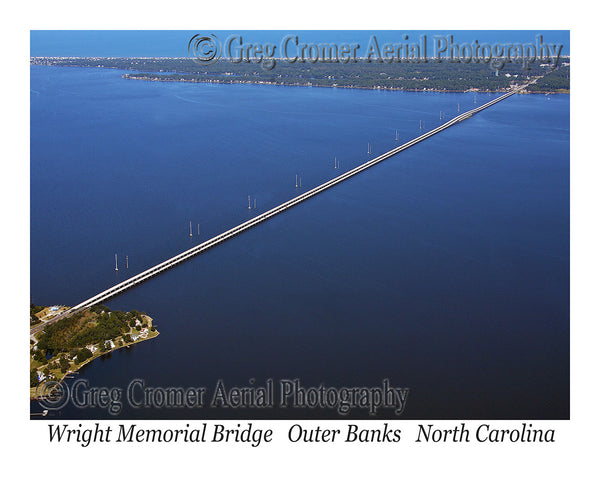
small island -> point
(65, 346)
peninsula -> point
(65, 346)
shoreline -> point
(155, 77)
(74, 368)
(32, 395)
(127, 76)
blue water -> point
(445, 269)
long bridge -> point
(182, 257)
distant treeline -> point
(444, 76)
(556, 81)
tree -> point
(39, 356)
(33, 380)
(83, 354)
(64, 364)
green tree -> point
(83, 354)
(64, 364)
(33, 381)
(39, 356)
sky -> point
(173, 43)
